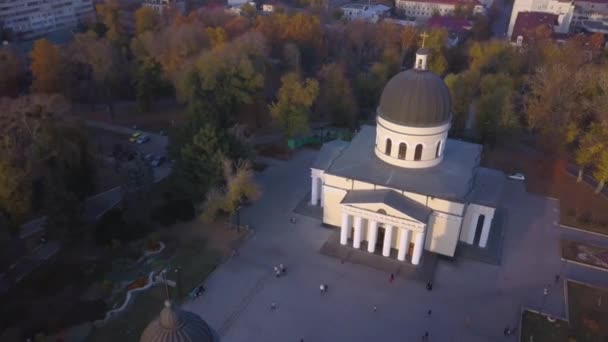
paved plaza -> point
(471, 301)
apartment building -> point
(425, 9)
(34, 18)
(162, 5)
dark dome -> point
(175, 325)
(416, 98)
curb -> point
(585, 265)
(583, 230)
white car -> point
(517, 176)
(142, 140)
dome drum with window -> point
(413, 117)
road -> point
(501, 23)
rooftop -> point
(450, 179)
(449, 23)
(392, 199)
(448, 2)
(527, 22)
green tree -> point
(495, 116)
(149, 83)
(601, 170)
(295, 99)
(336, 100)
(464, 89)
(11, 71)
(436, 43)
(146, 19)
(15, 192)
(200, 165)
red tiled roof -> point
(449, 23)
(593, 1)
(527, 22)
(450, 2)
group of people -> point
(280, 270)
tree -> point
(108, 13)
(494, 110)
(292, 108)
(464, 88)
(601, 170)
(15, 192)
(436, 42)
(336, 100)
(149, 83)
(46, 67)
(200, 165)
(226, 79)
(482, 30)
(11, 71)
(590, 147)
(146, 19)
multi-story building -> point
(591, 15)
(564, 9)
(162, 5)
(34, 18)
(372, 13)
(424, 9)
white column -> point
(404, 244)
(418, 248)
(314, 193)
(388, 238)
(321, 195)
(485, 232)
(372, 239)
(345, 229)
(358, 229)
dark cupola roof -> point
(416, 97)
(175, 325)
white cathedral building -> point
(403, 186)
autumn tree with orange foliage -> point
(146, 19)
(46, 67)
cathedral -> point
(403, 187)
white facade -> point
(372, 13)
(563, 9)
(422, 9)
(591, 15)
(161, 5)
(34, 18)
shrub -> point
(571, 212)
(172, 211)
(113, 227)
(585, 218)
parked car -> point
(158, 161)
(135, 136)
(517, 176)
(142, 139)
(149, 157)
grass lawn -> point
(535, 327)
(588, 312)
(580, 207)
(195, 261)
(586, 254)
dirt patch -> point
(585, 254)
(536, 327)
(588, 311)
(579, 205)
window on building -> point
(438, 149)
(418, 152)
(402, 151)
(387, 148)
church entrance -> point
(380, 239)
(478, 229)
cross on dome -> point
(424, 36)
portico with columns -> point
(402, 187)
(360, 225)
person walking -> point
(429, 312)
(425, 336)
(322, 288)
(375, 308)
(273, 306)
(429, 286)
(391, 278)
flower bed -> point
(590, 255)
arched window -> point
(418, 152)
(438, 149)
(387, 148)
(402, 151)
